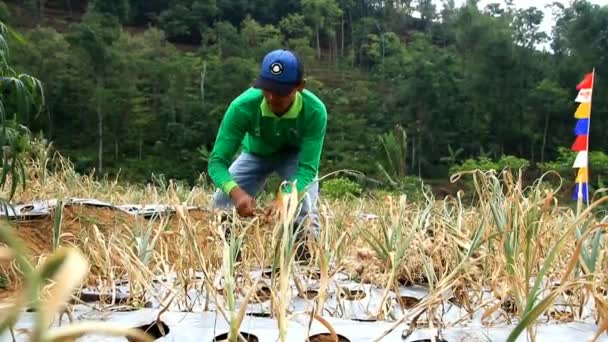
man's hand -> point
(272, 209)
(245, 204)
(270, 212)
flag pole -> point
(589, 129)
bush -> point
(486, 164)
(339, 188)
(413, 187)
(514, 164)
(598, 162)
(598, 169)
(5, 13)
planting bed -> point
(382, 269)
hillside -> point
(139, 88)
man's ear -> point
(301, 86)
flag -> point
(583, 175)
(582, 127)
(584, 96)
(581, 160)
(583, 111)
(586, 83)
(581, 189)
(580, 144)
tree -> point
(476, 81)
(186, 19)
(56, 71)
(294, 26)
(580, 39)
(22, 95)
(259, 39)
(550, 101)
(323, 14)
(94, 38)
(117, 8)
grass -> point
(511, 255)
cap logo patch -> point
(276, 68)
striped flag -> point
(584, 96)
(583, 111)
(582, 160)
(582, 127)
(581, 132)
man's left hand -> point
(272, 209)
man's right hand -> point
(245, 204)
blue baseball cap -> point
(280, 73)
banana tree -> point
(21, 97)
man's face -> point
(279, 104)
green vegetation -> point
(340, 188)
(136, 88)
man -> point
(281, 128)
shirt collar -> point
(292, 113)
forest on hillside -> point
(140, 86)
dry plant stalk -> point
(65, 269)
(285, 247)
(504, 242)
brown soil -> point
(248, 337)
(9, 293)
(409, 302)
(327, 338)
(78, 222)
(37, 235)
(350, 294)
(263, 294)
(310, 294)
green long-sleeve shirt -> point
(250, 123)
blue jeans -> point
(250, 173)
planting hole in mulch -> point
(562, 316)
(369, 320)
(350, 294)
(123, 302)
(259, 314)
(122, 308)
(409, 302)
(93, 297)
(407, 282)
(154, 329)
(567, 292)
(326, 337)
(314, 275)
(248, 337)
(270, 273)
(309, 294)
(262, 294)
(509, 305)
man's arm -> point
(310, 153)
(229, 137)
